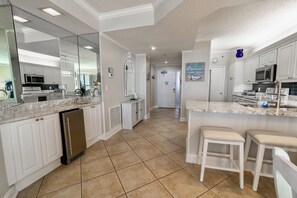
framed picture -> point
(195, 71)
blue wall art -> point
(195, 71)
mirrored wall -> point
(52, 63)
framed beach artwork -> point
(195, 71)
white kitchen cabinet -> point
(32, 69)
(93, 123)
(50, 133)
(286, 63)
(249, 71)
(30, 145)
(52, 75)
(132, 113)
(26, 147)
(268, 58)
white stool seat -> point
(215, 133)
(221, 135)
(273, 138)
(267, 140)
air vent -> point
(115, 116)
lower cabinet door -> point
(88, 123)
(134, 107)
(26, 147)
(98, 122)
(50, 133)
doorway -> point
(217, 84)
(168, 88)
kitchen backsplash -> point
(292, 86)
(43, 86)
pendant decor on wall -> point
(195, 71)
(239, 53)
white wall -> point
(143, 86)
(112, 55)
(153, 87)
(195, 90)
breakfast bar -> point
(240, 118)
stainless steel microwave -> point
(34, 79)
(266, 74)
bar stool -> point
(221, 135)
(266, 140)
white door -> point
(26, 146)
(217, 84)
(50, 133)
(231, 80)
(166, 88)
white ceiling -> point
(228, 23)
(249, 25)
(111, 5)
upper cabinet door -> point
(286, 61)
(249, 72)
(50, 133)
(268, 58)
(26, 146)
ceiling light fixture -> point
(20, 19)
(166, 62)
(88, 47)
(153, 48)
(51, 11)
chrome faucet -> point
(2, 90)
(277, 90)
(93, 92)
(64, 93)
(77, 92)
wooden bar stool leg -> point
(259, 161)
(248, 142)
(205, 147)
(241, 166)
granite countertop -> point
(235, 108)
(38, 109)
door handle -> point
(69, 136)
(173, 90)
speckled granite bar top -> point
(38, 109)
(235, 108)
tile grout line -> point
(40, 186)
(81, 181)
(115, 170)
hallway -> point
(146, 162)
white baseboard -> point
(27, 181)
(112, 132)
(94, 140)
(183, 119)
(11, 193)
(190, 158)
(147, 116)
(154, 107)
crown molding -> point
(88, 8)
(157, 3)
(126, 12)
(114, 41)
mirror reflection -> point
(129, 77)
(54, 63)
(9, 72)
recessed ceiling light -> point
(20, 19)
(166, 62)
(153, 48)
(51, 11)
(88, 47)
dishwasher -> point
(73, 134)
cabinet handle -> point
(92, 106)
(37, 119)
(41, 118)
(69, 136)
(290, 77)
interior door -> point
(166, 88)
(217, 84)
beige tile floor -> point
(148, 161)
